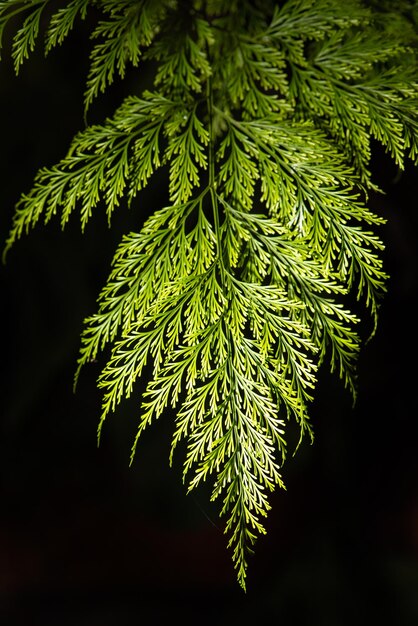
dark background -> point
(86, 540)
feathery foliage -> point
(263, 115)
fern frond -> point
(354, 105)
(186, 154)
(128, 29)
(230, 297)
(24, 39)
(103, 161)
(62, 22)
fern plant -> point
(262, 116)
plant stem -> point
(212, 181)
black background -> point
(86, 540)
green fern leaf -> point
(25, 38)
(128, 29)
(62, 22)
(232, 295)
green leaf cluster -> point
(263, 115)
